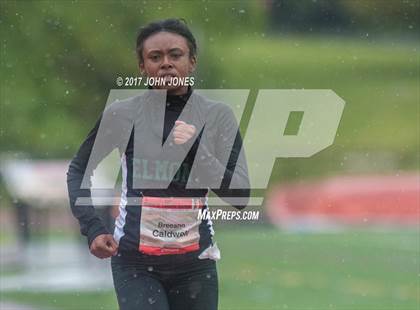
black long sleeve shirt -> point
(222, 131)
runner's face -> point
(167, 54)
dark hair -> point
(174, 25)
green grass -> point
(365, 270)
(378, 81)
(104, 300)
(262, 268)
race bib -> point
(169, 225)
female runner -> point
(163, 255)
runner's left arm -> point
(236, 170)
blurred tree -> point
(308, 16)
(348, 16)
(60, 59)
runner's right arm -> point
(90, 223)
(114, 128)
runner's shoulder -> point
(126, 108)
(213, 108)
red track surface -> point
(349, 200)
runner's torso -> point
(139, 127)
(148, 168)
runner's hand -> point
(183, 132)
(104, 246)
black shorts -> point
(168, 282)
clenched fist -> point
(104, 246)
(183, 132)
